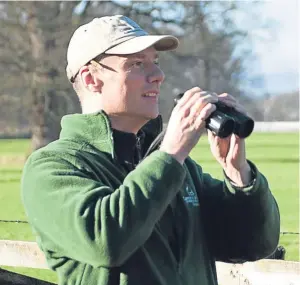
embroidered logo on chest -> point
(190, 197)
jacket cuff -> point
(247, 189)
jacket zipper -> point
(139, 149)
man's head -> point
(113, 65)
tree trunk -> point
(43, 121)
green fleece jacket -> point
(161, 223)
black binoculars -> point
(226, 120)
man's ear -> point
(89, 80)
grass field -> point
(276, 155)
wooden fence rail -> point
(262, 272)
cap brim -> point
(137, 44)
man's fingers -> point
(204, 114)
(198, 99)
(207, 111)
(211, 136)
(197, 106)
(193, 95)
(187, 95)
(228, 100)
(194, 101)
(226, 96)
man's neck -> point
(119, 122)
(126, 123)
(90, 106)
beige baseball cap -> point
(111, 35)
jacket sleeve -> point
(84, 219)
(241, 224)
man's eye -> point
(138, 64)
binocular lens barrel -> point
(243, 125)
(222, 126)
(226, 120)
(245, 128)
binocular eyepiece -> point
(226, 120)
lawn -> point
(276, 155)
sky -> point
(278, 57)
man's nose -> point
(156, 75)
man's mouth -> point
(150, 95)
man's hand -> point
(187, 122)
(230, 152)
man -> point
(104, 214)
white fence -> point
(263, 272)
(276, 127)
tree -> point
(35, 37)
(34, 55)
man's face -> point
(131, 85)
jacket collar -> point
(95, 130)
